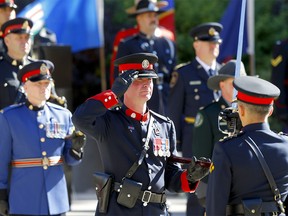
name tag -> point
(197, 82)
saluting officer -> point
(147, 40)
(135, 144)
(208, 128)
(238, 184)
(36, 138)
(16, 36)
(189, 91)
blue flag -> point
(230, 33)
(78, 23)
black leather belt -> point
(267, 207)
(145, 196)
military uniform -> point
(162, 47)
(206, 128)
(9, 84)
(237, 181)
(121, 133)
(36, 140)
(35, 189)
(279, 77)
(188, 93)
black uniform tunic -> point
(120, 138)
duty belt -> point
(145, 196)
(266, 207)
(45, 162)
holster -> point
(252, 207)
(129, 193)
(103, 186)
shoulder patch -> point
(276, 61)
(174, 79)
(160, 116)
(199, 120)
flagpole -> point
(102, 68)
(240, 45)
(251, 33)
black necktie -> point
(211, 72)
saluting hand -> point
(198, 169)
(123, 81)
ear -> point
(241, 110)
(271, 111)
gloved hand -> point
(78, 141)
(3, 208)
(123, 81)
(198, 169)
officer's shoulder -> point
(56, 106)
(11, 107)
(129, 38)
(228, 138)
(182, 65)
(159, 116)
(209, 106)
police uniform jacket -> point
(26, 134)
(237, 173)
(279, 77)
(188, 93)
(9, 84)
(120, 139)
(165, 50)
(206, 128)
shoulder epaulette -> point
(226, 138)
(55, 106)
(181, 65)
(11, 107)
(160, 116)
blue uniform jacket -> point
(237, 172)
(27, 134)
(188, 93)
(120, 139)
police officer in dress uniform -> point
(208, 128)
(279, 77)
(189, 91)
(133, 134)
(36, 138)
(16, 35)
(237, 183)
(146, 14)
(7, 12)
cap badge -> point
(145, 64)
(43, 69)
(212, 32)
(25, 25)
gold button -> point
(41, 126)
(44, 153)
(39, 113)
(45, 167)
(42, 139)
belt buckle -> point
(146, 201)
(45, 162)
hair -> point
(261, 110)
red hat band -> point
(254, 100)
(34, 73)
(145, 65)
(17, 26)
